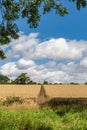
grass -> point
(44, 119)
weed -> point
(10, 100)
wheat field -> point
(32, 91)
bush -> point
(10, 100)
(55, 103)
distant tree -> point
(45, 82)
(32, 82)
(11, 10)
(74, 83)
(85, 83)
(4, 79)
(22, 79)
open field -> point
(32, 91)
(57, 95)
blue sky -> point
(55, 51)
(71, 26)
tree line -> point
(24, 79)
(21, 79)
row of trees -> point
(24, 79)
(21, 79)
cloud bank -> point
(56, 60)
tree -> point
(11, 10)
(22, 79)
(45, 82)
(85, 83)
(4, 79)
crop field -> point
(27, 96)
(31, 91)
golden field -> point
(32, 91)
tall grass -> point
(44, 119)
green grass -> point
(44, 119)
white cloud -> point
(83, 62)
(9, 69)
(58, 49)
(22, 45)
(24, 64)
(68, 59)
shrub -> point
(10, 100)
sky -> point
(56, 51)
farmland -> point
(30, 91)
(70, 113)
(29, 94)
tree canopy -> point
(23, 79)
(4, 79)
(11, 10)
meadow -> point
(64, 109)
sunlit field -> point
(31, 91)
(27, 96)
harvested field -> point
(32, 91)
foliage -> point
(22, 79)
(45, 119)
(45, 82)
(32, 82)
(67, 103)
(72, 83)
(4, 79)
(10, 100)
(11, 10)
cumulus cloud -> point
(54, 60)
(58, 49)
(22, 45)
(9, 69)
(83, 62)
(24, 64)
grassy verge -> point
(55, 114)
(44, 119)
